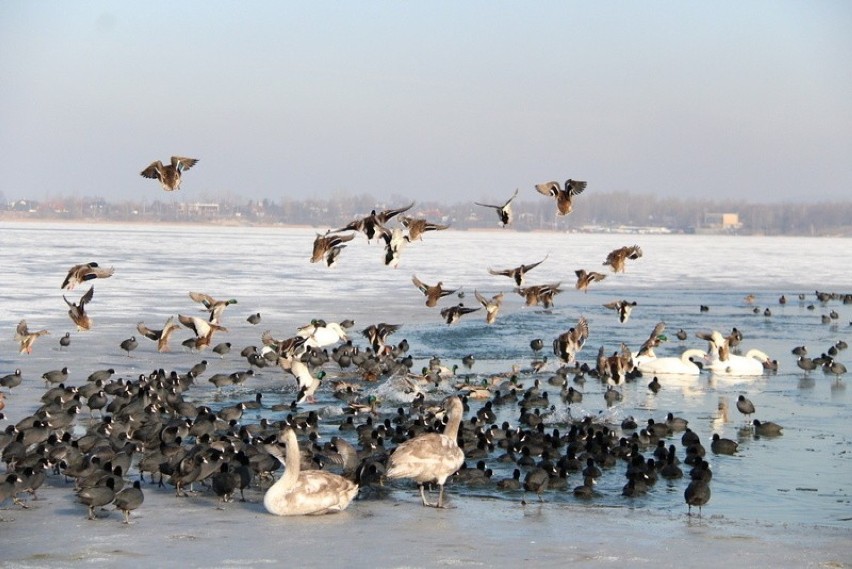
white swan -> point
(671, 365)
(750, 364)
(311, 492)
(431, 457)
(319, 334)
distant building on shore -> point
(720, 223)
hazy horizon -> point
(428, 101)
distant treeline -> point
(595, 211)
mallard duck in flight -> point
(26, 338)
(585, 278)
(375, 222)
(564, 195)
(161, 336)
(492, 306)
(328, 246)
(452, 314)
(432, 292)
(417, 227)
(517, 273)
(169, 175)
(203, 329)
(504, 212)
(617, 257)
(623, 307)
(77, 311)
(85, 272)
(213, 306)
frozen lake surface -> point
(785, 499)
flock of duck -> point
(446, 434)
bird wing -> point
(203, 298)
(482, 300)
(86, 298)
(574, 187)
(197, 325)
(385, 215)
(510, 199)
(489, 205)
(548, 188)
(180, 163)
(531, 266)
(96, 272)
(147, 332)
(419, 284)
(502, 272)
(336, 239)
(154, 171)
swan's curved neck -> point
(291, 459)
(454, 417)
(694, 352)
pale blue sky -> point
(452, 101)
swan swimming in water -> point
(751, 364)
(681, 365)
(311, 492)
(722, 362)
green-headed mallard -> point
(211, 305)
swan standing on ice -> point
(311, 492)
(431, 457)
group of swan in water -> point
(693, 360)
(718, 359)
